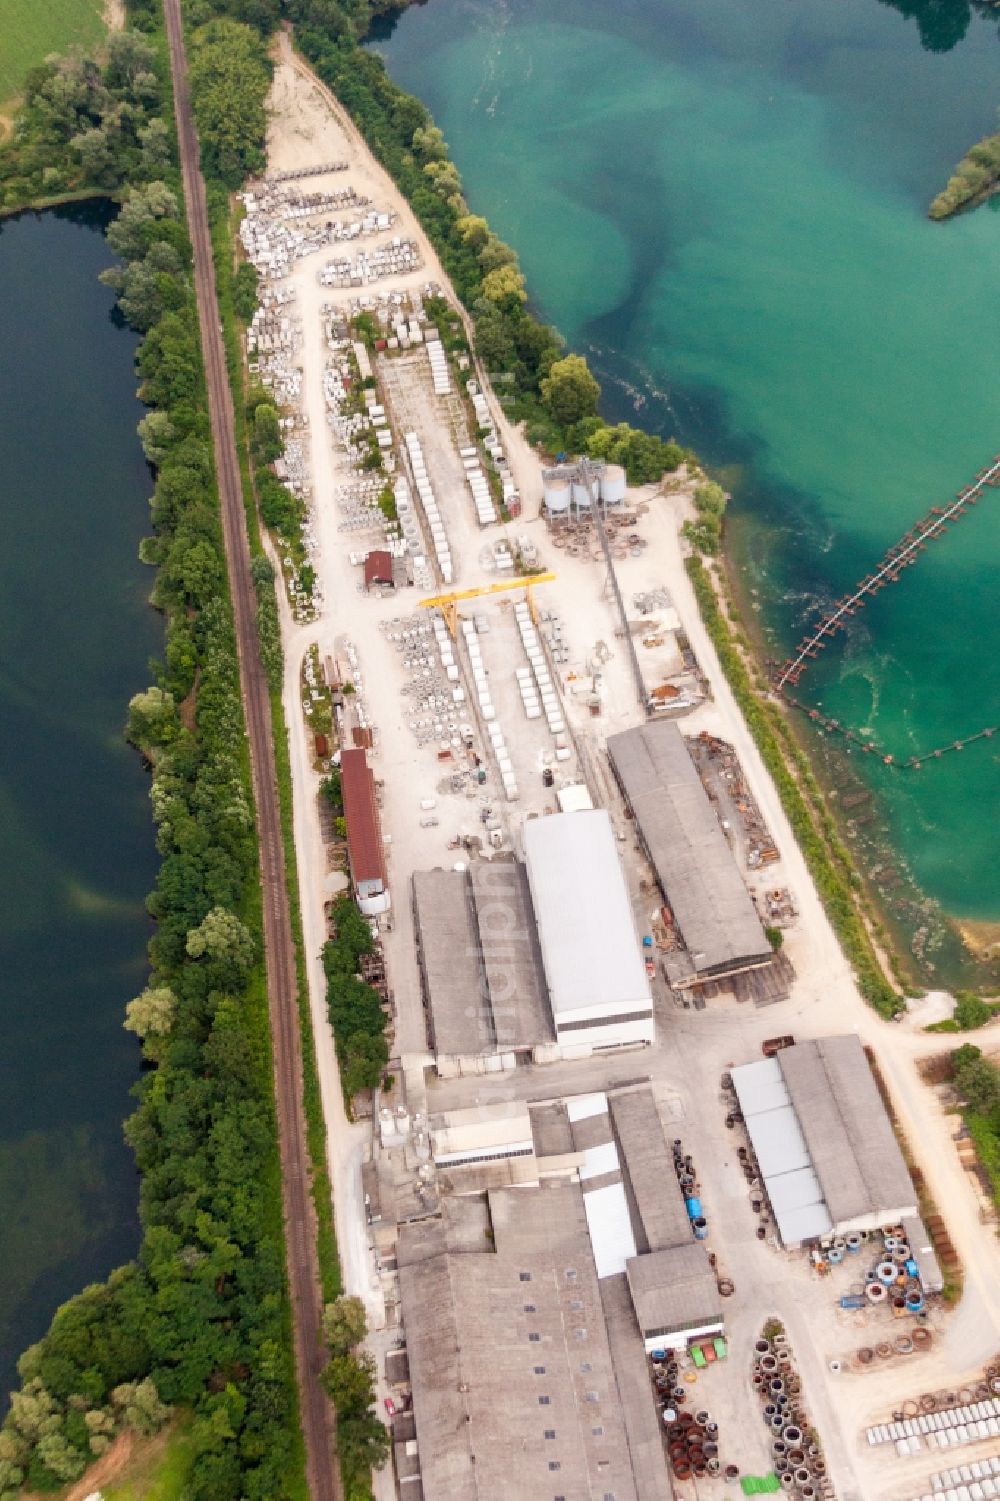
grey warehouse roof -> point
(489, 1333)
(511, 956)
(674, 1289)
(825, 1146)
(659, 1214)
(589, 943)
(479, 958)
(849, 1136)
(694, 864)
(450, 962)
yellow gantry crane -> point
(448, 603)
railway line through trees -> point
(300, 1231)
(903, 554)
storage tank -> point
(556, 492)
(581, 494)
(613, 485)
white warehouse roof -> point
(590, 950)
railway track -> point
(300, 1232)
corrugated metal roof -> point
(599, 1160)
(849, 1135)
(923, 1252)
(782, 1154)
(797, 1190)
(823, 1126)
(674, 1289)
(448, 948)
(779, 1143)
(826, 1148)
(589, 945)
(364, 834)
(761, 1087)
(693, 862)
(511, 957)
(610, 1229)
(869, 1129)
(378, 568)
(656, 1195)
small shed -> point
(378, 571)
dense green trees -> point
(344, 1325)
(706, 532)
(977, 1080)
(201, 1317)
(230, 77)
(943, 23)
(349, 1377)
(356, 1013)
(86, 122)
(569, 391)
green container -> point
(760, 1485)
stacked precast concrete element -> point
(798, 1459)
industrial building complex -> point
(619, 1235)
(540, 958)
(694, 865)
(530, 1310)
(480, 966)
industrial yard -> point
(604, 1063)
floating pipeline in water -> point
(869, 747)
(903, 554)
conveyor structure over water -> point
(903, 554)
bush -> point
(355, 1008)
(976, 174)
(971, 1012)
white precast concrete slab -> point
(610, 1228)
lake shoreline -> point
(831, 463)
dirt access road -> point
(300, 1236)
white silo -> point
(613, 485)
(556, 491)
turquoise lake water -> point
(77, 855)
(725, 206)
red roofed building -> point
(364, 833)
(378, 571)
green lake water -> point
(76, 854)
(724, 205)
